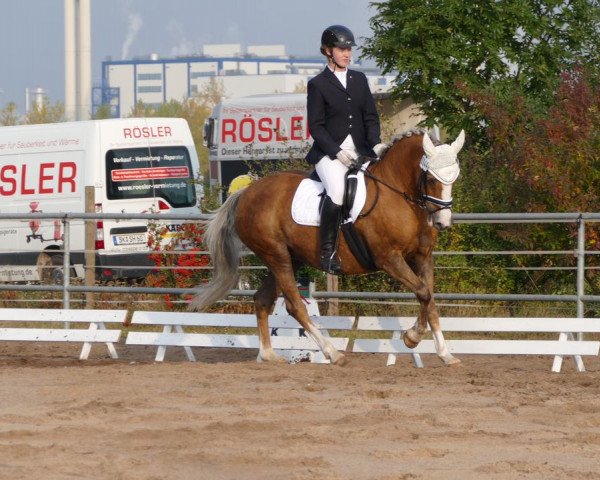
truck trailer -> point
(251, 132)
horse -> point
(408, 200)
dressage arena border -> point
(96, 332)
(289, 339)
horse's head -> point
(439, 170)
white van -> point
(135, 165)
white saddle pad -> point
(305, 205)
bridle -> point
(423, 199)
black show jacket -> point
(334, 112)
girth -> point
(356, 243)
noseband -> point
(422, 200)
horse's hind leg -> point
(286, 281)
(264, 298)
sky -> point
(32, 34)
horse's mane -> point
(415, 131)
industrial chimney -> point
(78, 71)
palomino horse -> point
(409, 197)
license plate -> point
(130, 239)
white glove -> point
(381, 148)
(347, 158)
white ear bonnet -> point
(441, 161)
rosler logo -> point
(263, 129)
(45, 178)
(147, 132)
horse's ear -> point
(428, 146)
(459, 142)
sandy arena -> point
(227, 417)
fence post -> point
(580, 268)
(580, 253)
(333, 303)
(90, 247)
(66, 263)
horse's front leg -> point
(397, 267)
(423, 267)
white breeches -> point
(332, 173)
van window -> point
(163, 172)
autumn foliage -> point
(536, 159)
(180, 261)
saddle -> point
(309, 197)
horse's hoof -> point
(270, 358)
(452, 362)
(340, 360)
(410, 342)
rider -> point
(344, 124)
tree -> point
(45, 113)
(9, 115)
(553, 158)
(442, 47)
(102, 112)
(212, 93)
(300, 87)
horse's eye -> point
(431, 181)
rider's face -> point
(342, 56)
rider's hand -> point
(381, 148)
(347, 158)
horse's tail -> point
(224, 246)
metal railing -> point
(580, 219)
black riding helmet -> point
(337, 36)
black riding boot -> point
(329, 230)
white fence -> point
(170, 329)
